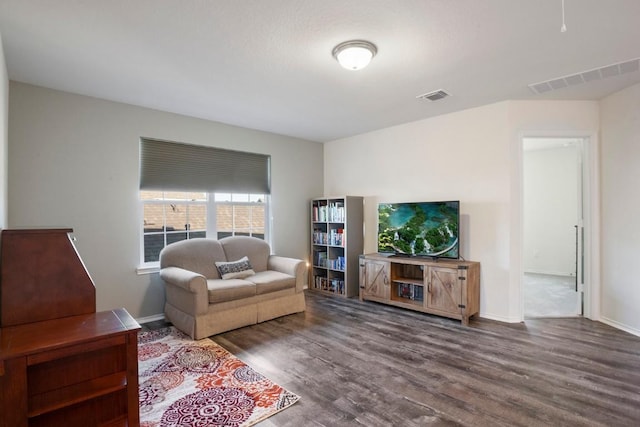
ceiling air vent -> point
(632, 65)
(433, 96)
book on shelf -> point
(333, 212)
(338, 263)
(337, 286)
(336, 212)
(320, 282)
(329, 285)
(320, 258)
(336, 237)
(411, 291)
(320, 213)
(320, 237)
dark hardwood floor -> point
(362, 363)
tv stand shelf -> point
(449, 288)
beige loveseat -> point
(200, 303)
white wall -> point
(550, 210)
(460, 156)
(73, 162)
(4, 135)
(472, 156)
(620, 123)
(66, 151)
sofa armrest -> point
(186, 290)
(291, 266)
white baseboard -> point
(620, 326)
(551, 273)
(148, 319)
(499, 318)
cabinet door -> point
(444, 292)
(376, 279)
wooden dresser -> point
(61, 363)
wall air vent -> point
(433, 96)
(630, 66)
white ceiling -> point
(267, 64)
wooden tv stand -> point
(449, 288)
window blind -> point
(173, 166)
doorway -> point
(553, 226)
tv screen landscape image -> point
(428, 229)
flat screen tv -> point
(426, 229)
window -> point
(170, 217)
(181, 191)
(173, 216)
(240, 215)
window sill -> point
(148, 269)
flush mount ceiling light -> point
(354, 54)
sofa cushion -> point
(235, 269)
(272, 281)
(257, 250)
(228, 290)
(196, 255)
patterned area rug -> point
(198, 383)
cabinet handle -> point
(428, 287)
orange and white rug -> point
(198, 383)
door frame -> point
(591, 206)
